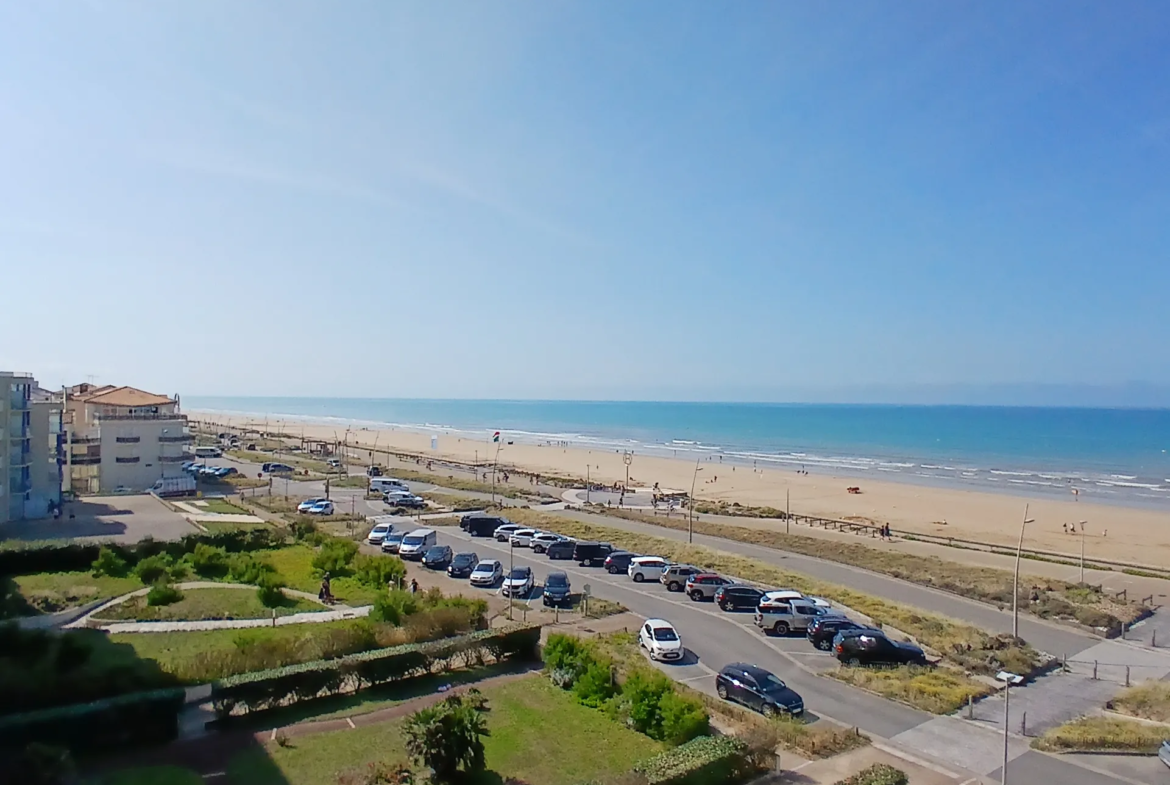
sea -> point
(1114, 456)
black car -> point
(874, 648)
(462, 565)
(618, 561)
(737, 598)
(374, 471)
(437, 557)
(591, 554)
(560, 550)
(481, 525)
(823, 629)
(757, 689)
(557, 590)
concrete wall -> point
(44, 474)
(140, 466)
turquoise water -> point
(1109, 455)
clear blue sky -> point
(578, 200)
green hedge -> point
(263, 690)
(877, 774)
(137, 718)
(707, 760)
(76, 557)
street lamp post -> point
(1016, 581)
(588, 484)
(511, 566)
(691, 522)
(1082, 525)
(627, 459)
(1008, 680)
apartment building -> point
(32, 449)
(121, 439)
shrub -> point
(335, 557)
(877, 774)
(209, 561)
(566, 653)
(704, 760)
(41, 764)
(163, 594)
(379, 571)
(248, 568)
(642, 695)
(137, 718)
(153, 569)
(595, 685)
(270, 591)
(683, 718)
(393, 607)
(448, 737)
(110, 562)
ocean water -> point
(1115, 456)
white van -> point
(415, 544)
(208, 452)
(384, 484)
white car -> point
(522, 538)
(646, 568)
(502, 533)
(779, 598)
(820, 602)
(487, 573)
(542, 540)
(322, 508)
(519, 582)
(378, 533)
(661, 640)
(308, 504)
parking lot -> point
(119, 518)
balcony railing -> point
(173, 458)
(86, 440)
(85, 460)
(140, 417)
(127, 459)
(176, 439)
(128, 439)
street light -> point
(627, 459)
(1008, 680)
(1016, 582)
(691, 522)
(1082, 523)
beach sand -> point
(1111, 532)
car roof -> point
(467, 553)
(659, 623)
(742, 586)
(521, 569)
(557, 574)
(489, 563)
(706, 575)
(749, 669)
(642, 559)
(785, 594)
(421, 532)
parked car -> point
(333, 463)
(408, 500)
(591, 554)
(519, 582)
(374, 471)
(823, 629)
(756, 688)
(703, 585)
(321, 508)
(618, 561)
(280, 468)
(1164, 752)
(661, 640)
(557, 590)
(437, 557)
(522, 538)
(480, 525)
(737, 597)
(782, 618)
(560, 550)
(226, 471)
(542, 540)
(876, 649)
(307, 504)
(675, 576)
(462, 564)
(779, 597)
(418, 542)
(392, 542)
(487, 573)
(502, 533)
(646, 568)
(378, 533)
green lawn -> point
(219, 507)
(154, 775)
(200, 604)
(223, 526)
(294, 564)
(55, 591)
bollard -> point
(1064, 665)
(1024, 725)
(1094, 670)
(274, 617)
(970, 708)
(1126, 675)
(1154, 639)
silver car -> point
(487, 573)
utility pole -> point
(691, 521)
(787, 510)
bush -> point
(270, 591)
(248, 568)
(877, 774)
(335, 557)
(40, 764)
(163, 594)
(705, 760)
(153, 569)
(209, 561)
(144, 717)
(566, 653)
(448, 737)
(683, 718)
(596, 684)
(393, 607)
(379, 572)
(110, 562)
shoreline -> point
(1121, 533)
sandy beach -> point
(1111, 532)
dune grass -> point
(1150, 701)
(455, 502)
(937, 690)
(1090, 734)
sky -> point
(962, 201)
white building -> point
(30, 449)
(122, 438)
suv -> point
(591, 554)
(557, 590)
(675, 577)
(782, 618)
(560, 550)
(823, 629)
(518, 583)
(643, 567)
(618, 561)
(757, 689)
(737, 597)
(703, 585)
(874, 648)
(502, 533)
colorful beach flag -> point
(496, 438)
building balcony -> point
(85, 460)
(86, 440)
(183, 439)
(139, 417)
(173, 458)
(128, 439)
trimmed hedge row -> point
(263, 690)
(701, 761)
(137, 718)
(77, 557)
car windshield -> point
(439, 551)
(665, 634)
(464, 558)
(519, 574)
(557, 581)
(412, 540)
(489, 567)
(381, 528)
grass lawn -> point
(55, 591)
(222, 526)
(1102, 733)
(219, 507)
(523, 713)
(295, 565)
(154, 775)
(200, 604)
(1149, 701)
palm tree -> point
(448, 736)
